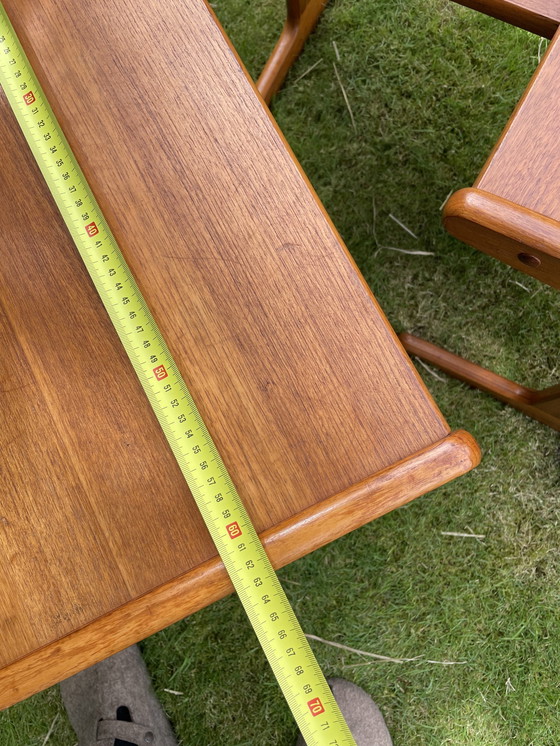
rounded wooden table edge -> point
(510, 219)
(514, 234)
(396, 485)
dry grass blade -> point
(445, 200)
(520, 284)
(345, 98)
(403, 226)
(336, 50)
(384, 658)
(361, 652)
(408, 251)
(431, 371)
(309, 69)
(51, 729)
(466, 536)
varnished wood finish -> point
(302, 382)
(300, 22)
(312, 528)
(539, 16)
(524, 166)
(540, 405)
(524, 239)
(513, 213)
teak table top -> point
(316, 409)
(513, 210)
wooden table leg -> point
(541, 405)
(301, 19)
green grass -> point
(430, 86)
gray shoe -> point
(113, 704)
(361, 713)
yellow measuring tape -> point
(238, 544)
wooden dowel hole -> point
(529, 259)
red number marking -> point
(160, 373)
(29, 98)
(92, 229)
(316, 707)
(233, 530)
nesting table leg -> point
(542, 405)
(300, 21)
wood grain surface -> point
(296, 371)
(208, 582)
(539, 16)
(513, 212)
(524, 166)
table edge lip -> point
(431, 467)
